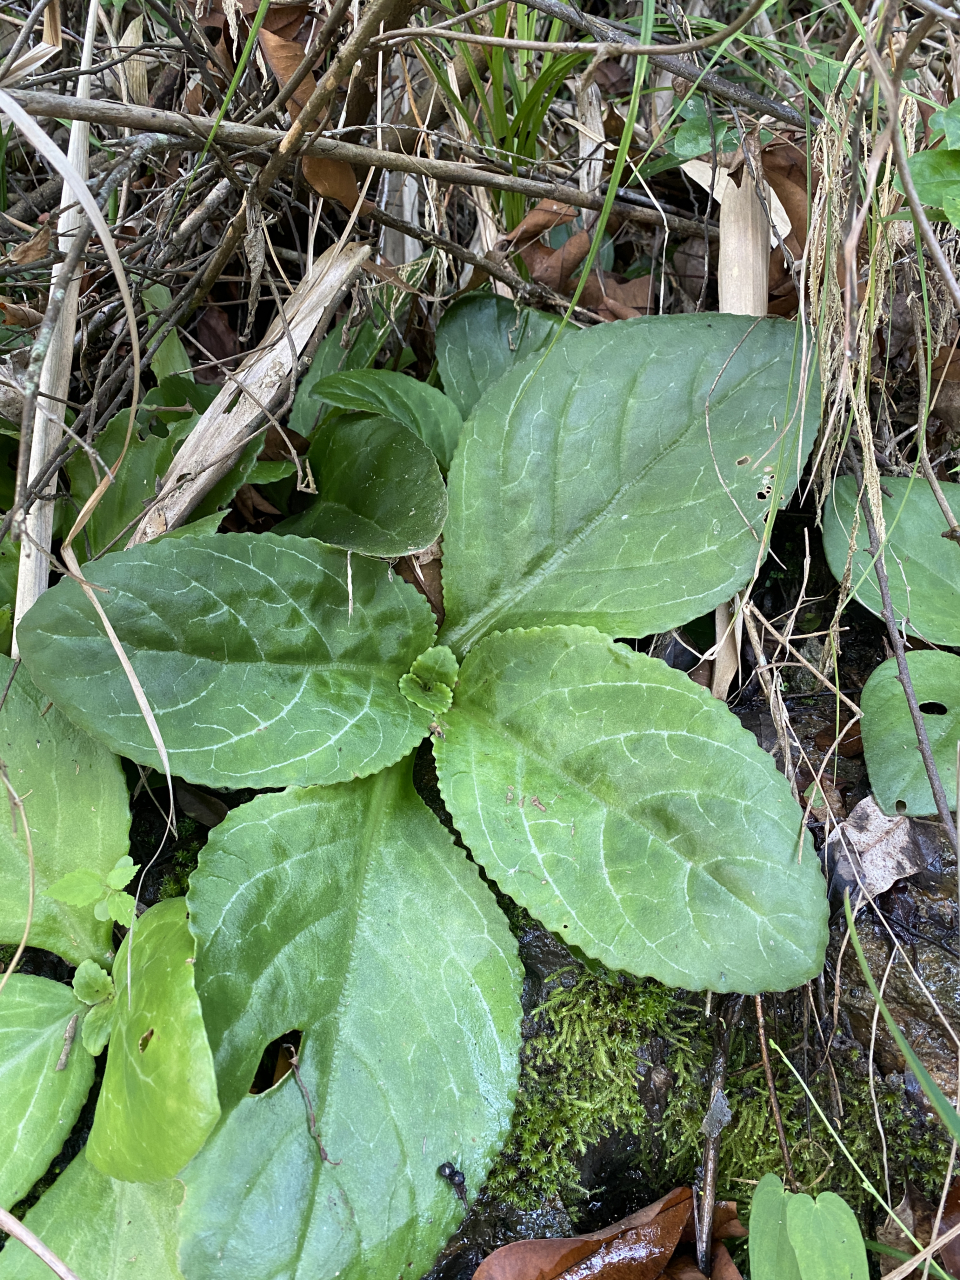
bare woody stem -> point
(14, 1227)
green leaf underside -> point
(894, 764)
(424, 410)
(411, 1033)
(101, 1228)
(771, 1253)
(826, 1238)
(480, 338)
(158, 1101)
(629, 811)
(79, 816)
(247, 654)
(583, 489)
(40, 1104)
(916, 556)
(381, 492)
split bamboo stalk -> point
(742, 281)
(55, 374)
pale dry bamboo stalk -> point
(55, 373)
(224, 429)
(742, 281)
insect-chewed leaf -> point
(894, 764)
(480, 338)
(159, 1096)
(410, 1023)
(624, 480)
(248, 654)
(75, 798)
(923, 568)
(630, 812)
(40, 1103)
(101, 1228)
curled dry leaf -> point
(874, 851)
(32, 250)
(19, 314)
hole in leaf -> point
(742, 462)
(275, 1062)
(901, 806)
(933, 708)
(145, 1039)
(762, 495)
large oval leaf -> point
(480, 338)
(102, 1229)
(40, 1103)
(381, 492)
(586, 487)
(75, 798)
(158, 1101)
(247, 650)
(348, 913)
(890, 749)
(923, 568)
(427, 412)
(628, 810)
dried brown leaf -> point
(19, 314)
(32, 250)
(636, 1248)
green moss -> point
(582, 1078)
(579, 1079)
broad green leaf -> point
(948, 123)
(9, 569)
(97, 1026)
(171, 357)
(826, 1238)
(923, 568)
(587, 488)
(77, 888)
(936, 175)
(630, 812)
(897, 775)
(331, 357)
(430, 681)
(249, 656)
(427, 412)
(75, 798)
(480, 338)
(158, 1100)
(40, 1104)
(695, 137)
(122, 873)
(381, 492)
(123, 502)
(102, 1229)
(116, 906)
(771, 1253)
(410, 1023)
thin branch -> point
(14, 1227)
